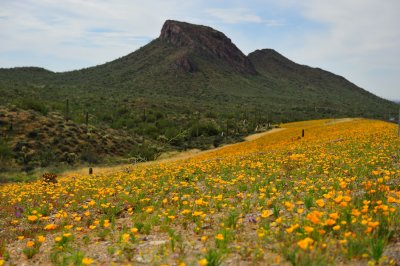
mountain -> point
(188, 87)
(325, 89)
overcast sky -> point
(358, 39)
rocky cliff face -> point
(205, 41)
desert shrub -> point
(159, 115)
(89, 156)
(34, 105)
(150, 130)
(122, 111)
(69, 157)
(207, 128)
(174, 136)
(171, 132)
(217, 140)
(119, 123)
(106, 118)
(164, 123)
(211, 114)
(150, 118)
(131, 122)
(6, 154)
(5, 151)
(45, 157)
(144, 151)
(33, 134)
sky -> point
(357, 39)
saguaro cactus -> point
(67, 110)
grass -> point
(278, 199)
(214, 257)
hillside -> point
(329, 92)
(331, 197)
(31, 140)
(190, 87)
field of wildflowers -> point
(332, 197)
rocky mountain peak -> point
(206, 41)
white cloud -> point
(359, 39)
(46, 26)
(274, 23)
(356, 27)
(239, 15)
(234, 15)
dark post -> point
(87, 119)
(90, 170)
(302, 133)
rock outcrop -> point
(205, 41)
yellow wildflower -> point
(32, 218)
(330, 222)
(30, 244)
(266, 213)
(87, 261)
(41, 239)
(334, 215)
(50, 227)
(220, 237)
(308, 229)
(305, 243)
(320, 202)
(337, 227)
(203, 262)
(125, 238)
(338, 199)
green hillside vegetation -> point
(190, 88)
(31, 140)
